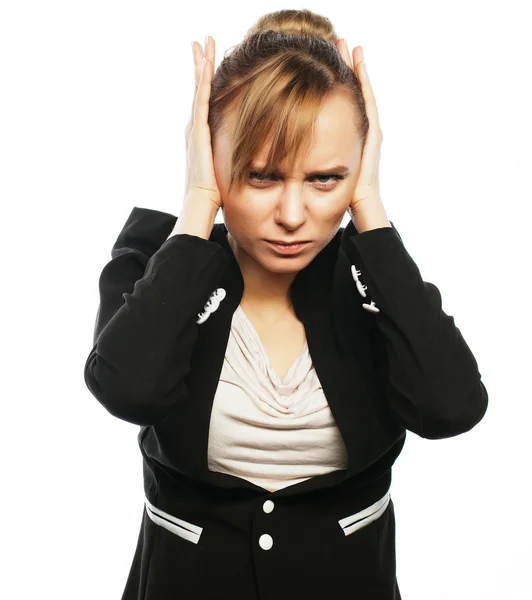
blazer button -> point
(371, 307)
(360, 286)
(265, 541)
(202, 317)
(211, 305)
(216, 297)
(354, 272)
(268, 506)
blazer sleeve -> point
(433, 384)
(151, 292)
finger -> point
(367, 90)
(358, 60)
(210, 48)
(204, 88)
(341, 44)
(358, 55)
(201, 102)
(197, 54)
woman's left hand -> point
(366, 208)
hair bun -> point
(295, 22)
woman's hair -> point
(276, 80)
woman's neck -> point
(267, 293)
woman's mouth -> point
(288, 248)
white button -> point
(220, 293)
(268, 506)
(215, 298)
(265, 541)
(371, 307)
(361, 288)
(212, 305)
(202, 317)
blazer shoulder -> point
(145, 229)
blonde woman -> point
(274, 362)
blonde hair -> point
(276, 80)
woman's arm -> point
(150, 295)
(434, 387)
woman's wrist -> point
(196, 218)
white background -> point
(94, 102)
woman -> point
(274, 384)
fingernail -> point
(206, 40)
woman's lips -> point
(288, 249)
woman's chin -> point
(285, 264)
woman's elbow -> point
(127, 399)
(460, 418)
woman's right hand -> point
(201, 184)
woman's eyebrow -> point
(338, 169)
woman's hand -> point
(366, 208)
(201, 184)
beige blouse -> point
(273, 433)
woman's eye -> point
(334, 177)
(255, 176)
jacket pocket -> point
(362, 518)
(184, 529)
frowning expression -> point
(307, 204)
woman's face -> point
(293, 206)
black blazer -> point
(389, 360)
